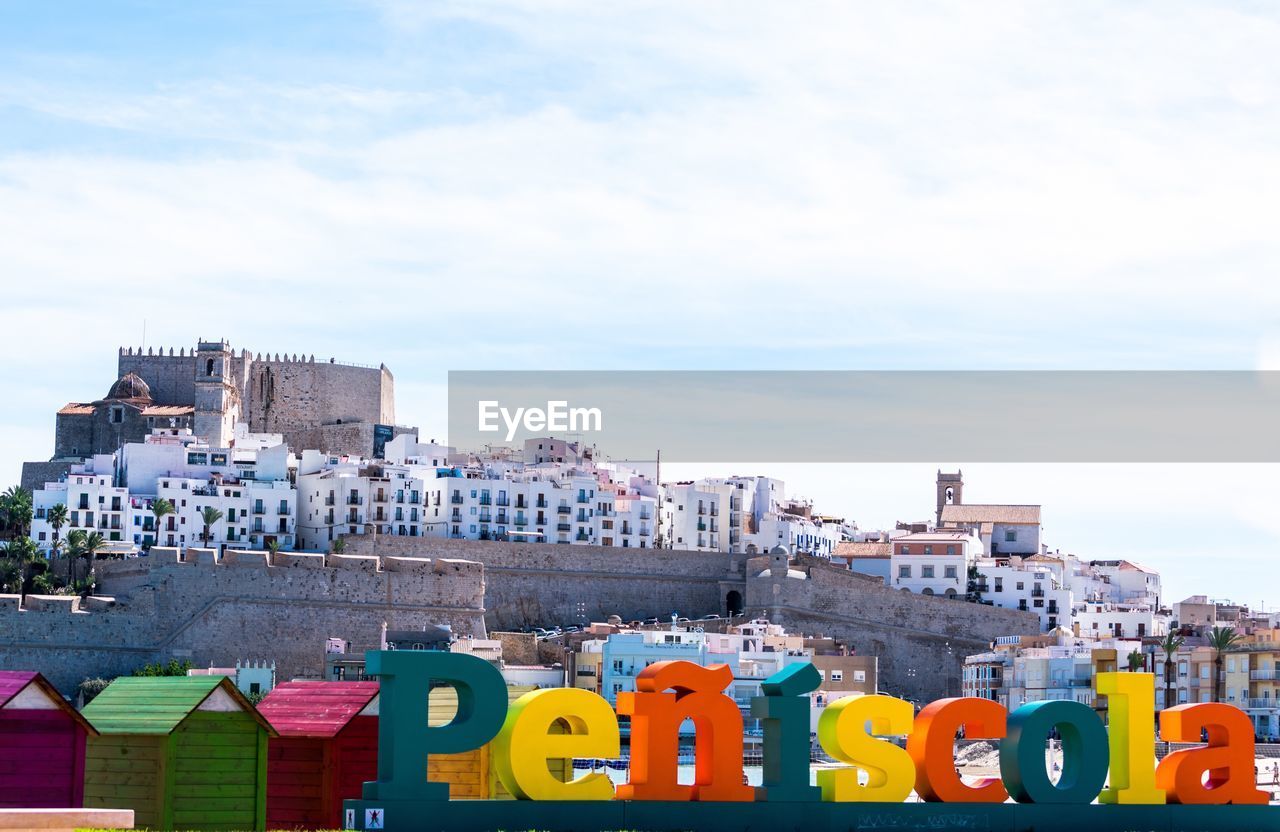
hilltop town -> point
(265, 514)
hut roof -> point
(316, 709)
(158, 704)
(14, 683)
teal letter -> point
(784, 709)
(1085, 754)
(405, 679)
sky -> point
(507, 184)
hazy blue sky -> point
(563, 185)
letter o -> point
(1085, 753)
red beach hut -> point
(327, 748)
(42, 741)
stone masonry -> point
(245, 605)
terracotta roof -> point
(975, 513)
(939, 536)
(76, 409)
(168, 410)
(315, 709)
(862, 550)
(13, 682)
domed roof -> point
(130, 386)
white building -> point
(94, 503)
(933, 563)
(1031, 584)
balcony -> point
(486, 517)
(456, 499)
(355, 500)
(284, 511)
(1264, 704)
(582, 498)
(504, 501)
(702, 527)
(521, 522)
(1037, 593)
(563, 510)
(581, 536)
(564, 527)
(542, 503)
(328, 501)
(626, 529)
(1264, 675)
(380, 497)
(502, 517)
(486, 500)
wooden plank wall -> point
(125, 771)
(41, 760)
(216, 779)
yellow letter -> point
(842, 730)
(525, 744)
(1131, 704)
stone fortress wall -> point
(252, 605)
(921, 640)
(242, 606)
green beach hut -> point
(185, 752)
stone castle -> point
(323, 405)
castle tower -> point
(950, 491)
(217, 404)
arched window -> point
(208, 367)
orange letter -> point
(932, 746)
(1228, 757)
(655, 734)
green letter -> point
(405, 679)
(784, 709)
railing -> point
(456, 499)
(283, 511)
(328, 501)
(581, 536)
(380, 497)
(355, 500)
(486, 501)
(582, 498)
(520, 521)
(504, 501)
(644, 531)
(1264, 675)
(564, 527)
(486, 517)
(626, 529)
(563, 510)
(1262, 704)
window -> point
(617, 665)
(926, 571)
(859, 675)
(951, 550)
(950, 572)
(1019, 586)
(1010, 535)
(904, 571)
(904, 549)
(117, 415)
(928, 550)
(837, 675)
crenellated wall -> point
(214, 611)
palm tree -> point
(15, 508)
(75, 549)
(273, 546)
(22, 551)
(1221, 639)
(57, 517)
(10, 576)
(161, 508)
(1171, 645)
(209, 515)
(93, 543)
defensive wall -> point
(245, 605)
(251, 605)
(921, 640)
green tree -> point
(171, 668)
(10, 576)
(1171, 645)
(338, 546)
(1136, 661)
(161, 508)
(15, 512)
(209, 516)
(23, 551)
(57, 517)
(1221, 639)
(273, 546)
(93, 544)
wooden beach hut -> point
(184, 752)
(326, 749)
(42, 745)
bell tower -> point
(950, 491)
(217, 399)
